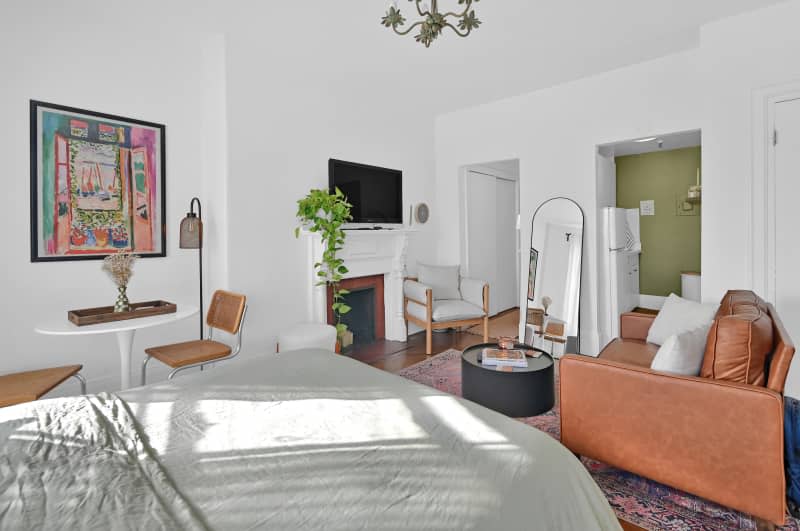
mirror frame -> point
(524, 315)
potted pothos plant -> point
(325, 213)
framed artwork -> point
(532, 272)
(98, 185)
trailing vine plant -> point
(324, 212)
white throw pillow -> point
(682, 353)
(443, 280)
(680, 315)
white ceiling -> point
(523, 45)
(668, 142)
(342, 48)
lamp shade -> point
(191, 232)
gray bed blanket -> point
(83, 463)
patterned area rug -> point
(635, 499)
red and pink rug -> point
(635, 499)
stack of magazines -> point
(504, 358)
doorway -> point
(649, 205)
(783, 282)
(490, 230)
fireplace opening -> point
(360, 320)
(366, 319)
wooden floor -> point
(394, 356)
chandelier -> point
(433, 22)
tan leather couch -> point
(718, 436)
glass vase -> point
(122, 304)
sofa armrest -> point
(719, 440)
(633, 325)
(475, 292)
(416, 292)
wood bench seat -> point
(28, 386)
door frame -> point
(463, 212)
(761, 217)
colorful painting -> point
(97, 185)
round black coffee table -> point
(524, 392)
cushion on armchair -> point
(447, 310)
(738, 345)
(415, 290)
(443, 280)
(472, 291)
(682, 353)
(679, 315)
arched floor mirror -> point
(551, 320)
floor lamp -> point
(192, 238)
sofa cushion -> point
(682, 353)
(739, 344)
(679, 315)
(630, 352)
(736, 298)
(443, 280)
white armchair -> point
(439, 299)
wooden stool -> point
(28, 386)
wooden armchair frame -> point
(430, 325)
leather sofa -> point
(718, 435)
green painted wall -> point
(671, 238)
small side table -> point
(124, 330)
(523, 392)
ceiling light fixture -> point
(648, 139)
(433, 22)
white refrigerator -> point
(620, 267)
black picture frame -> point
(36, 192)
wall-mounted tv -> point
(375, 193)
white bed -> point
(311, 440)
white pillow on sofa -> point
(443, 280)
(679, 315)
(682, 353)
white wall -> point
(717, 88)
(745, 57)
(156, 76)
(742, 56)
(287, 115)
(251, 122)
(554, 133)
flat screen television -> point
(375, 193)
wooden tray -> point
(105, 314)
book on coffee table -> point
(504, 358)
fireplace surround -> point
(366, 253)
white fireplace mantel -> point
(365, 253)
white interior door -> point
(481, 233)
(787, 219)
(490, 214)
(504, 295)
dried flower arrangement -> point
(119, 267)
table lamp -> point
(192, 238)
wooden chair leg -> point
(486, 329)
(429, 340)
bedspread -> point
(311, 440)
(83, 463)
